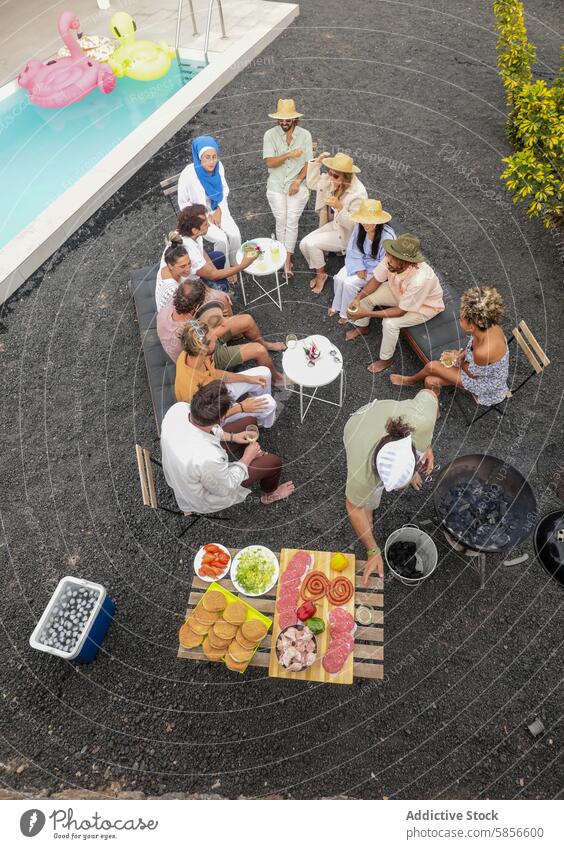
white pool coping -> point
(27, 251)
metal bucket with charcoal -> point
(411, 555)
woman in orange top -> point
(195, 368)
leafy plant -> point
(535, 172)
(516, 54)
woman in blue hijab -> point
(203, 182)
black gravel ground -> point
(465, 669)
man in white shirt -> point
(196, 464)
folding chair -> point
(170, 191)
(524, 338)
(149, 493)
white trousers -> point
(347, 286)
(384, 297)
(226, 238)
(287, 210)
(326, 238)
(265, 417)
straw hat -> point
(341, 162)
(286, 110)
(406, 247)
(371, 212)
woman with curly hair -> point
(483, 366)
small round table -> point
(264, 266)
(327, 368)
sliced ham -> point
(340, 621)
(287, 617)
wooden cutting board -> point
(315, 672)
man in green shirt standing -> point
(287, 148)
(386, 442)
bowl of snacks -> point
(212, 562)
(254, 570)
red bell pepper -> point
(307, 610)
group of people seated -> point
(209, 459)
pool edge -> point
(33, 246)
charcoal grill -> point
(520, 513)
(549, 544)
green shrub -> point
(535, 172)
(516, 55)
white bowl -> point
(198, 562)
(267, 553)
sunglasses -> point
(336, 174)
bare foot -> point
(343, 321)
(289, 271)
(400, 380)
(379, 365)
(280, 381)
(331, 312)
(320, 283)
(275, 346)
(283, 491)
(354, 334)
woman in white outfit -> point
(364, 251)
(195, 368)
(286, 150)
(339, 193)
(203, 182)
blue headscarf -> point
(211, 182)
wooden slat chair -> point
(529, 345)
(149, 492)
(170, 191)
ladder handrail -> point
(208, 25)
(179, 22)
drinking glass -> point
(252, 432)
(352, 308)
(275, 252)
(291, 341)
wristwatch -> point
(372, 552)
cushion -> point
(441, 333)
(161, 371)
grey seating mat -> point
(441, 333)
(160, 370)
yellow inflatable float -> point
(140, 60)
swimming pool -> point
(57, 167)
(45, 151)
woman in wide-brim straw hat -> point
(364, 251)
(339, 194)
(286, 150)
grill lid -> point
(549, 544)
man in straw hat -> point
(365, 251)
(388, 446)
(339, 194)
(286, 149)
(406, 290)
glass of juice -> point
(252, 433)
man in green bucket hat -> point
(403, 291)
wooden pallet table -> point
(369, 640)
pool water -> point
(44, 151)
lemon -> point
(339, 562)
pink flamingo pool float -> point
(60, 82)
